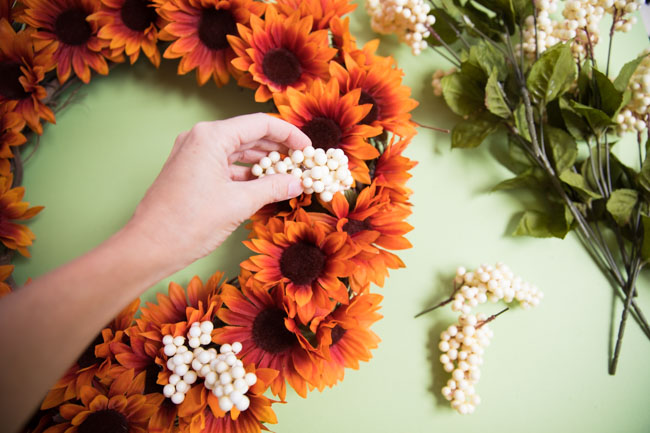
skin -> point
(199, 198)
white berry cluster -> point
(223, 373)
(633, 117)
(580, 23)
(436, 81)
(462, 346)
(492, 283)
(408, 19)
(324, 173)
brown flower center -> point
(10, 87)
(281, 66)
(104, 421)
(72, 28)
(269, 332)
(88, 358)
(138, 15)
(352, 227)
(150, 378)
(302, 263)
(214, 26)
(373, 114)
(323, 132)
(337, 333)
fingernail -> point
(295, 188)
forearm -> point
(50, 321)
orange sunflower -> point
(322, 11)
(205, 416)
(9, 9)
(270, 338)
(64, 25)
(15, 236)
(11, 123)
(381, 86)
(129, 26)
(199, 29)
(93, 363)
(20, 74)
(122, 408)
(346, 338)
(332, 120)
(280, 53)
(345, 42)
(283, 209)
(392, 171)
(307, 257)
(5, 272)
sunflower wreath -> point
(300, 311)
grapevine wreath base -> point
(300, 311)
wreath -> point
(300, 310)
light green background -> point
(546, 370)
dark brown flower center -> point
(104, 421)
(337, 333)
(352, 227)
(302, 263)
(150, 378)
(281, 66)
(373, 114)
(323, 132)
(138, 15)
(88, 358)
(269, 332)
(10, 87)
(214, 26)
(72, 28)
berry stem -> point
(491, 318)
(441, 304)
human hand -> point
(200, 197)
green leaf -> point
(494, 99)
(521, 9)
(471, 132)
(544, 225)
(533, 178)
(563, 147)
(578, 182)
(609, 98)
(488, 58)
(443, 26)
(462, 94)
(626, 73)
(575, 124)
(644, 173)
(553, 73)
(621, 204)
(597, 119)
(521, 123)
(645, 246)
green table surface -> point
(546, 369)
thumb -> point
(270, 189)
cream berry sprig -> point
(322, 172)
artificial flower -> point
(64, 25)
(381, 86)
(270, 338)
(280, 53)
(21, 71)
(15, 236)
(129, 26)
(93, 363)
(11, 123)
(322, 11)
(332, 120)
(346, 338)
(199, 29)
(307, 257)
(203, 414)
(5, 272)
(121, 408)
(392, 171)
